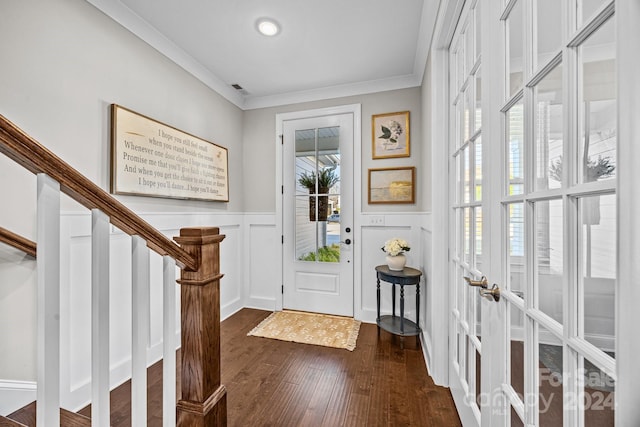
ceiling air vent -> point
(239, 88)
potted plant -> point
(326, 178)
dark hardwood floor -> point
(276, 383)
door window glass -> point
(550, 257)
(597, 393)
(549, 128)
(317, 166)
(549, 30)
(550, 378)
(598, 255)
(515, 41)
(597, 159)
(516, 248)
(515, 149)
(516, 351)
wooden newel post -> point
(204, 398)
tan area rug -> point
(310, 328)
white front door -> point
(534, 171)
(317, 214)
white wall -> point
(64, 63)
(260, 147)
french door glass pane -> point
(471, 307)
(549, 30)
(515, 40)
(516, 248)
(462, 288)
(478, 95)
(515, 419)
(598, 396)
(317, 175)
(478, 27)
(458, 185)
(459, 124)
(463, 352)
(515, 149)
(458, 231)
(478, 168)
(598, 256)
(550, 255)
(478, 322)
(550, 379)
(598, 133)
(516, 351)
(478, 379)
(461, 74)
(478, 235)
(467, 175)
(590, 7)
(468, 108)
(548, 130)
(467, 235)
(467, 363)
(469, 47)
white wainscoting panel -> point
(375, 231)
(262, 254)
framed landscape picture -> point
(392, 185)
(390, 135)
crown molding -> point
(154, 38)
(361, 88)
(128, 19)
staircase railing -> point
(18, 242)
(203, 401)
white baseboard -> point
(16, 394)
(258, 303)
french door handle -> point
(493, 293)
(346, 241)
(482, 283)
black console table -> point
(398, 324)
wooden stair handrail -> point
(18, 242)
(32, 155)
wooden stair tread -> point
(26, 416)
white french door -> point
(318, 214)
(534, 169)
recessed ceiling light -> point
(267, 27)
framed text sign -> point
(149, 158)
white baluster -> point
(140, 329)
(169, 343)
(100, 382)
(48, 268)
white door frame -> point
(354, 109)
(628, 295)
(445, 26)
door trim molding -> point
(356, 110)
(627, 315)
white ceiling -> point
(326, 48)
